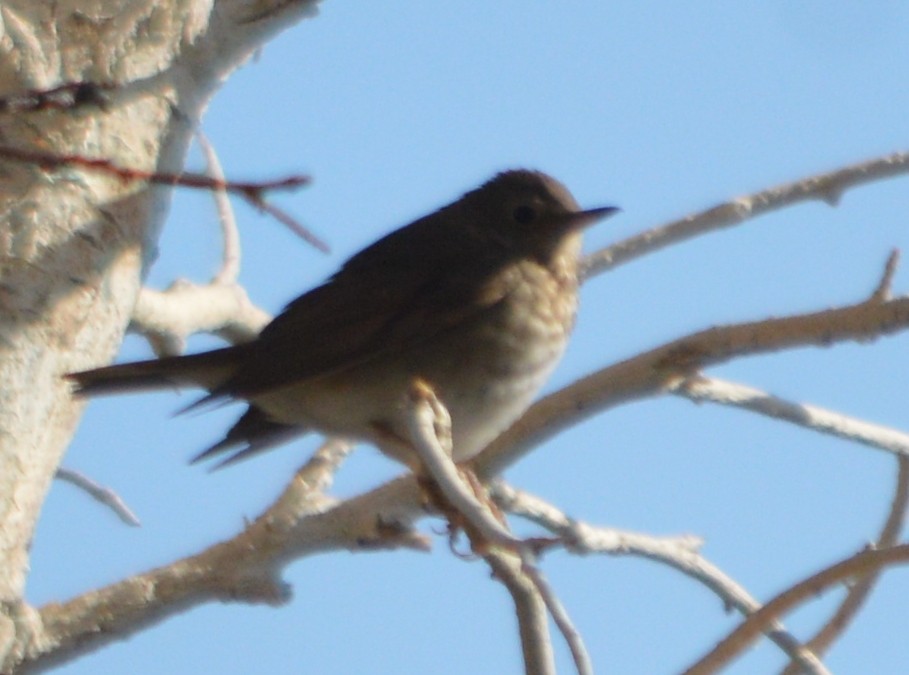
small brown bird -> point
(476, 299)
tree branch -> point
(252, 192)
(221, 307)
(245, 568)
(660, 369)
(679, 553)
(230, 265)
(430, 431)
(827, 187)
(99, 493)
(866, 562)
(166, 318)
(530, 609)
(859, 591)
(699, 388)
(573, 638)
(511, 559)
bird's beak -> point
(580, 219)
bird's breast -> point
(507, 357)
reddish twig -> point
(252, 192)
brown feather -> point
(207, 370)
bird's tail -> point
(207, 370)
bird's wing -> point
(252, 434)
(359, 315)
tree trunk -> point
(75, 242)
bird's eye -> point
(524, 214)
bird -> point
(476, 300)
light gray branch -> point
(230, 260)
(221, 307)
(660, 369)
(167, 318)
(573, 638)
(509, 557)
(827, 187)
(869, 561)
(530, 609)
(430, 431)
(679, 553)
(99, 493)
(860, 590)
(246, 568)
(699, 388)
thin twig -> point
(252, 192)
(282, 216)
(699, 388)
(656, 370)
(679, 553)
(827, 187)
(230, 265)
(101, 494)
(859, 592)
(530, 609)
(882, 292)
(245, 568)
(573, 639)
(860, 564)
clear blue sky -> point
(662, 108)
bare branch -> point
(859, 592)
(659, 369)
(230, 266)
(583, 538)
(252, 192)
(699, 388)
(318, 473)
(221, 307)
(430, 427)
(530, 608)
(51, 161)
(679, 553)
(168, 317)
(246, 568)
(882, 292)
(866, 562)
(257, 200)
(99, 493)
(559, 614)
(827, 187)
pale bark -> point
(74, 244)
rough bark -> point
(74, 243)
